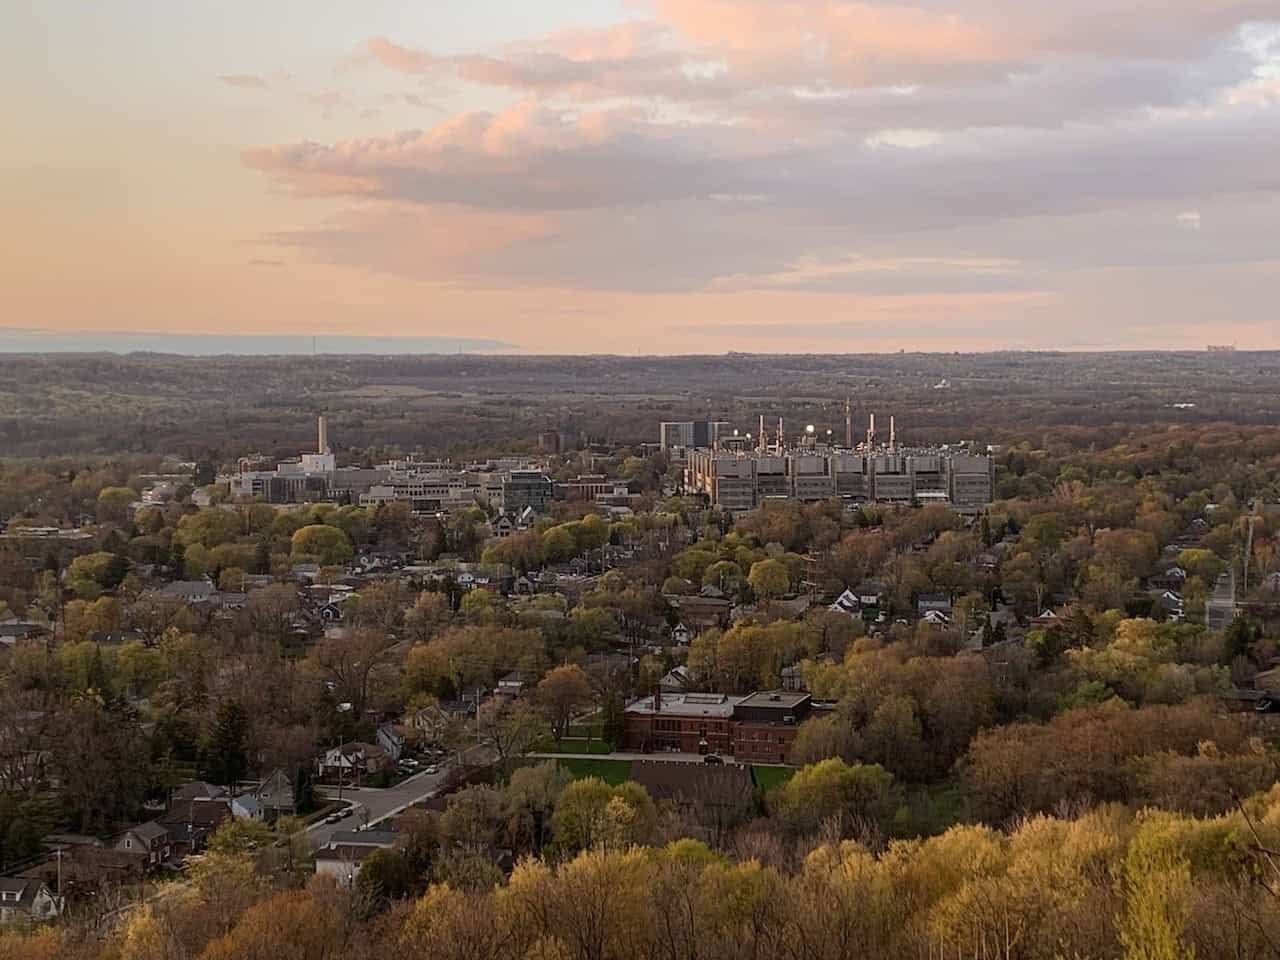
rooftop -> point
(777, 699)
(688, 705)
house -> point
(150, 839)
(27, 901)
(196, 790)
(275, 794)
(1174, 579)
(429, 723)
(391, 738)
(190, 823)
(680, 635)
(870, 594)
(703, 613)
(847, 603)
(1046, 619)
(1171, 602)
(935, 618)
(352, 761)
(676, 680)
(189, 591)
(792, 677)
(511, 685)
(16, 630)
(934, 603)
(304, 572)
(346, 851)
(247, 807)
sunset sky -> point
(658, 176)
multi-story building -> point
(759, 728)
(592, 487)
(743, 481)
(691, 433)
(427, 492)
(514, 491)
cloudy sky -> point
(648, 175)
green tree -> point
(385, 876)
(329, 545)
(835, 791)
(227, 759)
(113, 504)
(769, 579)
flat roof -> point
(778, 699)
(688, 705)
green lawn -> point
(612, 772)
(571, 745)
(770, 778)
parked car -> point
(345, 812)
(432, 770)
(409, 762)
(333, 818)
(713, 758)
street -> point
(381, 804)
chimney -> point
(323, 429)
(893, 435)
(761, 445)
(782, 438)
(871, 432)
(848, 424)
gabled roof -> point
(148, 832)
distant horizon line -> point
(17, 341)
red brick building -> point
(759, 728)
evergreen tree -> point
(227, 760)
(304, 790)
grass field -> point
(770, 778)
(612, 772)
(571, 745)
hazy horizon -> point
(20, 341)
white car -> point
(432, 770)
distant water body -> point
(14, 340)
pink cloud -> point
(250, 80)
(398, 58)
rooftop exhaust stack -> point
(782, 437)
(323, 429)
(871, 432)
(848, 424)
(893, 435)
(763, 439)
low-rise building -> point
(27, 901)
(758, 728)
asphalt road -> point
(371, 805)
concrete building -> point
(744, 481)
(693, 434)
(427, 492)
(309, 477)
(515, 490)
(593, 487)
